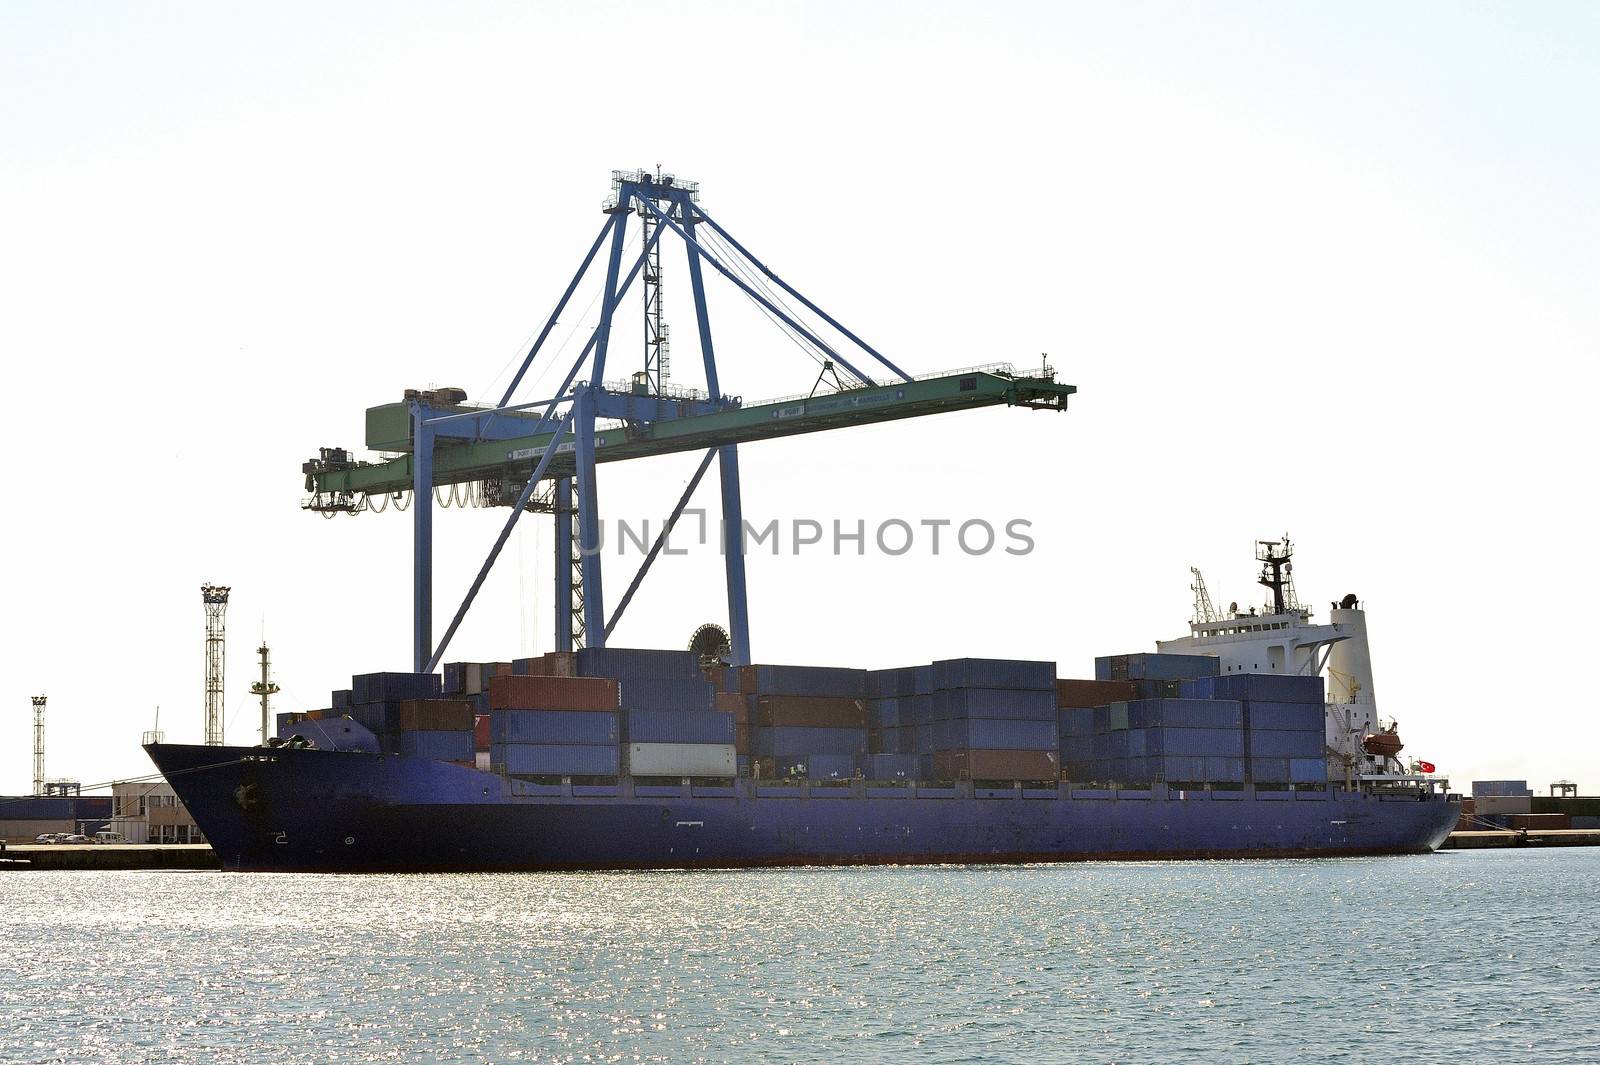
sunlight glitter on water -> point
(1312, 961)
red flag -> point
(1426, 767)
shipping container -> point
(824, 681)
(804, 711)
(1265, 687)
(995, 765)
(1279, 743)
(994, 673)
(441, 746)
(1091, 693)
(342, 699)
(455, 676)
(1300, 717)
(1018, 704)
(667, 693)
(1149, 666)
(1201, 742)
(552, 693)
(1269, 770)
(631, 663)
(1076, 721)
(555, 760)
(560, 664)
(677, 726)
(480, 732)
(830, 766)
(733, 703)
(682, 759)
(994, 734)
(553, 726)
(385, 687)
(1187, 713)
(889, 766)
(1499, 788)
(1308, 770)
(1544, 821)
(800, 742)
(435, 715)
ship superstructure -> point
(1282, 638)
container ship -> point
(1256, 735)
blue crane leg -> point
(594, 611)
(422, 540)
(733, 554)
(563, 604)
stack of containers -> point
(897, 700)
(553, 726)
(670, 726)
(1285, 723)
(1160, 735)
(376, 698)
(439, 729)
(470, 680)
(990, 719)
(806, 721)
(1076, 703)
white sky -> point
(1323, 268)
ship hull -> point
(337, 811)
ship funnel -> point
(1350, 660)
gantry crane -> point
(437, 439)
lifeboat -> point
(1384, 744)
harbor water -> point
(1464, 956)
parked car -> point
(77, 837)
(105, 835)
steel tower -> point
(215, 597)
(265, 689)
(38, 744)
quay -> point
(109, 856)
(1531, 837)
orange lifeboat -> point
(1383, 744)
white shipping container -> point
(482, 760)
(682, 760)
(472, 679)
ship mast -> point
(1276, 572)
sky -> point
(1320, 269)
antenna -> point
(154, 735)
(215, 597)
(1276, 573)
(266, 690)
(1203, 610)
(38, 744)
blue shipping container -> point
(1302, 717)
(341, 699)
(649, 693)
(889, 713)
(440, 746)
(798, 742)
(1284, 744)
(1018, 704)
(631, 663)
(555, 760)
(1270, 770)
(1203, 742)
(553, 726)
(994, 673)
(1186, 713)
(1149, 666)
(823, 681)
(994, 734)
(385, 687)
(1076, 721)
(1266, 687)
(831, 766)
(1308, 770)
(677, 726)
(890, 766)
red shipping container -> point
(1541, 820)
(480, 733)
(733, 703)
(996, 765)
(810, 711)
(435, 715)
(552, 693)
(560, 664)
(1082, 694)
